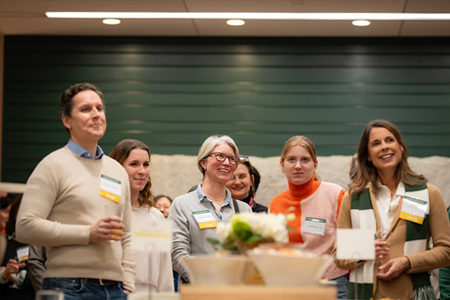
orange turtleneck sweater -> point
(290, 201)
(318, 200)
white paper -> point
(414, 208)
(152, 235)
(22, 253)
(356, 244)
(314, 226)
(203, 216)
(110, 185)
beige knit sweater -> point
(62, 199)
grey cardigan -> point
(188, 238)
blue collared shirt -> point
(201, 196)
(80, 151)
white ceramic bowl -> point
(290, 270)
(211, 270)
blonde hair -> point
(300, 140)
(366, 170)
(120, 152)
(212, 142)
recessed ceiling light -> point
(248, 16)
(111, 21)
(361, 23)
(236, 22)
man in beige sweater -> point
(64, 207)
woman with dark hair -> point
(315, 204)
(14, 280)
(243, 187)
(163, 204)
(195, 215)
(405, 212)
(154, 270)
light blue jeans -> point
(82, 289)
(341, 284)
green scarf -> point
(363, 217)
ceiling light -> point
(361, 23)
(111, 21)
(236, 22)
(248, 16)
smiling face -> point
(298, 166)
(219, 171)
(240, 184)
(163, 205)
(385, 152)
(87, 122)
(137, 165)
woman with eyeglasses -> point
(315, 204)
(243, 187)
(196, 214)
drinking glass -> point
(114, 210)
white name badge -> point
(204, 219)
(413, 209)
(152, 235)
(22, 253)
(314, 225)
(110, 188)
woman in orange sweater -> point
(315, 204)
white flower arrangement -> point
(247, 230)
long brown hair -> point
(300, 140)
(10, 227)
(120, 152)
(366, 170)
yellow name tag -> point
(110, 188)
(412, 218)
(204, 219)
(212, 224)
(413, 210)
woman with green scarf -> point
(403, 210)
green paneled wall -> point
(172, 93)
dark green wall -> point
(172, 93)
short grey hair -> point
(212, 142)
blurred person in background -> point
(163, 204)
(242, 185)
(14, 280)
(5, 207)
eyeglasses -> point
(243, 158)
(222, 157)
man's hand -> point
(105, 228)
(395, 268)
(12, 267)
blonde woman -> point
(315, 203)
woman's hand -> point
(381, 249)
(12, 267)
(395, 267)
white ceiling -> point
(26, 17)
